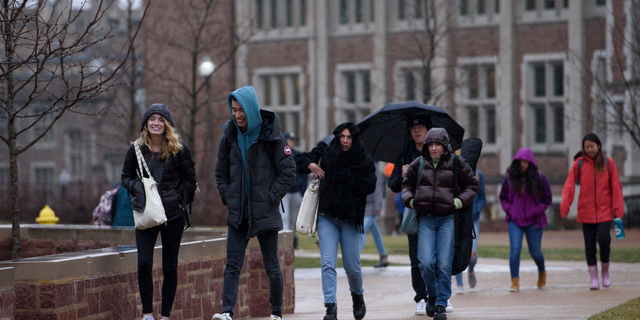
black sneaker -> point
(441, 313)
(431, 306)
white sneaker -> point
(274, 317)
(147, 317)
(223, 316)
(421, 307)
(459, 290)
(449, 306)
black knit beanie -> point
(158, 108)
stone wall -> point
(7, 294)
(102, 283)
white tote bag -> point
(306, 223)
(153, 212)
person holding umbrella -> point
(348, 175)
(418, 130)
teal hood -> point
(248, 99)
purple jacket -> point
(525, 209)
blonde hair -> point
(170, 144)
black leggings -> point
(600, 233)
(171, 234)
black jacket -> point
(344, 189)
(175, 180)
(408, 154)
(270, 178)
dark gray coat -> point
(269, 179)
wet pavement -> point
(389, 295)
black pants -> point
(171, 234)
(236, 246)
(600, 233)
(416, 276)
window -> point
(401, 10)
(601, 2)
(478, 95)
(463, 6)
(344, 12)
(530, 5)
(496, 6)
(355, 91)
(43, 177)
(473, 82)
(5, 178)
(546, 99)
(43, 124)
(303, 12)
(481, 7)
(288, 13)
(371, 10)
(549, 4)
(359, 11)
(419, 9)
(75, 160)
(280, 92)
(273, 14)
(410, 85)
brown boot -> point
(542, 278)
(515, 285)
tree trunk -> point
(15, 192)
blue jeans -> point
(534, 242)
(371, 225)
(236, 246)
(472, 262)
(435, 251)
(332, 232)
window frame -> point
(360, 107)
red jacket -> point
(600, 197)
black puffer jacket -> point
(269, 179)
(179, 176)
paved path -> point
(388, 292)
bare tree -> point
(206, 28)
(429, 26)
(47, 70)
(615, 83)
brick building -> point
(510, 72)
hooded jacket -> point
(259, 180)
(525, 209)
(349, 176)
(179, 173)
(434, 194)
(600, 196)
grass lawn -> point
(627, 310)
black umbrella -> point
(386, 131)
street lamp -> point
(206, 67)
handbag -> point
(307, 221)
(410, 216)
(153, 212)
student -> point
(525, 195)
(253, 172)
(599, 202)
(348, 175)
(434, 203)
(161, 147)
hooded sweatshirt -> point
(526, 209)
(248, 99)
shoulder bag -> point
(153, 212)
(307, 221)
(410, 216)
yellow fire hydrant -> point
(47, 216)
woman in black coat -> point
(172, 167)
(348, 176)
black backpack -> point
(463, 219)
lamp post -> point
(206, 69)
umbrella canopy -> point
(386, 131)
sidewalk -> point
(388, 293)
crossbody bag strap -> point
(142, 162)
(456, 173)
(419, 174)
